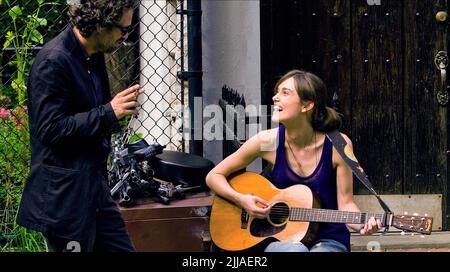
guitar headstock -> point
(413, 223)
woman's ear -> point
(307, 106)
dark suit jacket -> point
(70, 140)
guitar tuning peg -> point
(422, 236)
(405, 213)
(426, 214)
(415, 214)
(402, 233)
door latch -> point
(441, 62)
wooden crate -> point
(181, 226)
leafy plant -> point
(14, 168)
(135, 137)
(23, 240)
(21, 30)
(15, 152)
(24, 35)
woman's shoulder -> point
(346, 138)
(267, 135)
(266, 139)
(348, 149)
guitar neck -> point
(332, 216)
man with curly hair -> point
(72, 116)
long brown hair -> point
(311, 88)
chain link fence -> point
(152, 56)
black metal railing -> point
(234, 120)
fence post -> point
(195, 68)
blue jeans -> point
(322, 245)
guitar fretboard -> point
(331, 216)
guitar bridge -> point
(244, 219)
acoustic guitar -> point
(294, 216)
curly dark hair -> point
(89, 14)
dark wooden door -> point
(378, 63)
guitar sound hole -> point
(279, 214)
(262, 228)
(275, 223)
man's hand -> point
(125, 102)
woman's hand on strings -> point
(255, 206)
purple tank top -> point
(322, 182)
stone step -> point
(395, 241)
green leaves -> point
(15, 12)
(24, 34)
(36, 36)
(135, 137)
(42, 21)
(20, 87)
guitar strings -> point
(281, 212)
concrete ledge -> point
(394, 241)
(425, 204)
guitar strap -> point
(346, 153)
